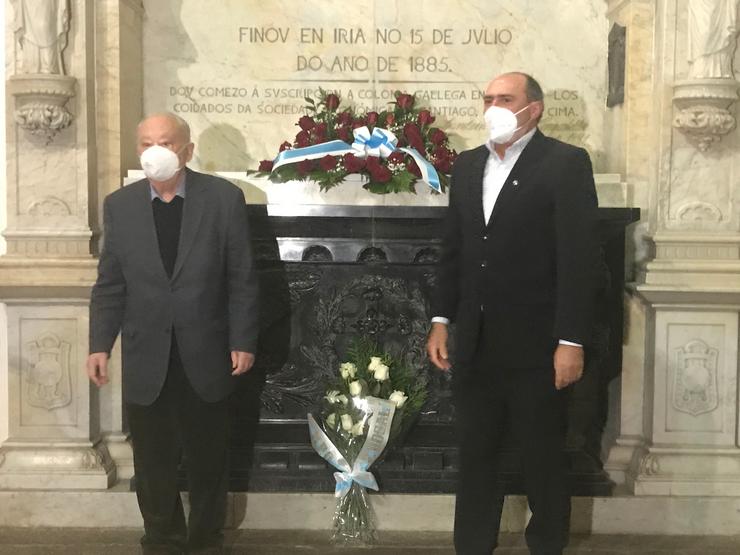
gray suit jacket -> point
(210, 301)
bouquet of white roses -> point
(372, 400)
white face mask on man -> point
(159, 163)
(501, 123)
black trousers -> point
(178, 422)
(490, 400)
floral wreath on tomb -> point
(391, 149)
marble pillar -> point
(679, 410)
(63, 433)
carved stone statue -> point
(41, 28)
(712, 38)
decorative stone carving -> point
(649, 465)
(41, 89)
(49, 206)
(48, 380)
(712, 37)
(372, 254)
(705, 109)
(699, 211)
(317, 253)
(695, 389)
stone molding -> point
(705, 109)
(43, 466)
(40, 101)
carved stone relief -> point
(49, 206)
(699, 212)
(41, 89)
(705, 101)
(695, 388)
(48, 382)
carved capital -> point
(705, 109)
(40, 101)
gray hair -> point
(181, 124)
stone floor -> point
(69, 541)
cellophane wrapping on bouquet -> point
(374, 398)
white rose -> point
(347, 370)
(331, 420)
(398, 397)
(374, 362)
(332, 396)
(358, 429)
(355, 388)
(342, 399)
(381, 372)
(347, 422)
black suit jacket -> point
(529, 275)
(210, 301)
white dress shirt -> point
(494, 176)
(498, 170)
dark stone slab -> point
(330, 273)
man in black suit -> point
(175, 277)
(517, 277)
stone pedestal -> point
(53, 440)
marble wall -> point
(238, 70)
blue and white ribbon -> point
(379, 429)
(380, 143)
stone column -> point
(679, 410)
(64, 153)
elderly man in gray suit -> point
(175, 278)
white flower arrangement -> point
(368, 375)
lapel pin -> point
(515, 183)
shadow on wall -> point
(222, 147)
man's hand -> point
(568, 362)
(241, 362)
(437, 346)
(97, 368)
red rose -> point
(306, 123)
(372, 163)
(285, 146)
(328, 162)
(353, 164)
(413, 168)
(372, 118)
(265, 166)
(381, 174)
(396, 157)
(442, 160)
(425, 117)
(302, 139)
(413, 135)
(345, 134)
(304, 166)
(390, 119)
(405, 101)
(437, 136)
(344, 117)
(319, 132)
(331, 102)
(358, 123)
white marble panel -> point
(695, 387)
(49, 397)
(238, 70)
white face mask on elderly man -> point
(501, 123)
(159, 163)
